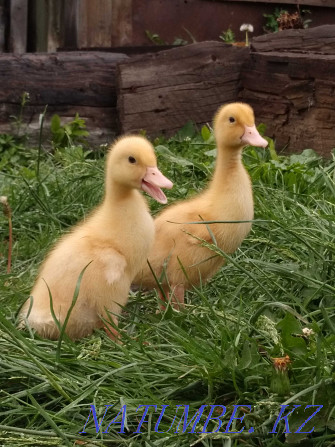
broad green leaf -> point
(245, 360)
(55, 123)
(205, 133)
(290, 330)
(168, 155)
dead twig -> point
(8, 213)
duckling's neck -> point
(228, 161)
(117, 194)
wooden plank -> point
(82, 24)
(82, 82)
(44, 25)
(122, 23)
(313, 40)
(95, 20)
(293, 94)
(161, 92)
(18, 26)
(37, 31)
(320, 3)
(70, 20)
(54, 25)
(2, 26)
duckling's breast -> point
(136, 232)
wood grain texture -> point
(82, 82)
(294, 95)
(314, 40)
(95, 23)
(18, 26)
(70, 19)
(2, 26)
(45, 25)
(83, 78)
(122, 23)
(54, 26)
(161, 92)
(326, 3)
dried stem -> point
(8, 213)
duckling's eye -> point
(132, 160)
(232, 119)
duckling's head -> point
(132, 164)
(234, 127)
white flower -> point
(4, 200)
(5, 206)
(307, 332)
(247, 27)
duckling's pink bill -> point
(153, 181)
(252, 136)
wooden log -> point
(314, 40)
(101, 122)
(82, 82)
(161, 92)
(76, 78)
(294, 95)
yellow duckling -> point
(113, 243)
(178, 258)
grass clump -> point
(260, 334)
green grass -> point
(218, 351)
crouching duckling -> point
(112, 243)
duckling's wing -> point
(114, 264)
(200, 233)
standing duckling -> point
(178, 258)
(112, 243)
